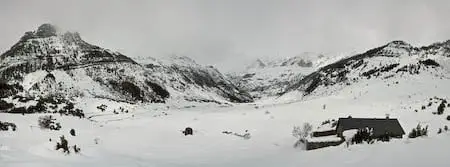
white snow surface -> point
(331, 138)
(349, 134)
(150, 135)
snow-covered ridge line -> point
(397, 59)
(89, 70)
(194, 82)
(268, 77)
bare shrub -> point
(63, 144)
(48, 122)
(418, 131)
(441, 108)
(301, 133)
(76, 149)
(4, 126)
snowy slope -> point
(188, 81)
(394, 64)
(267, 77)
(144, 137)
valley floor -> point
(152, 136)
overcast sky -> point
(229, 33)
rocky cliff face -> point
(47, 62)
(190, 81)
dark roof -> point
(380, 126)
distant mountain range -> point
(270, 77)
(47, 62)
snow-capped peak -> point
(306, 59)
(399, 44)
(258, 63)
(46, 30)
(179, 60)
(172, 59)
(49, 31)
(396, 48)
(269, 76)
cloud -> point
(230, 33)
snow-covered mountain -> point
(47, 62)
(396, 80)
(306, 59)
(269, 77)
(393, 63)
(188, 81)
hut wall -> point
(324, 133)
(317, 145)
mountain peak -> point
(174, 59)
(446, 43)
(257, 64)
(305, 59)
(46, 30)
(72, 37)
(399, 44)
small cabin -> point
(380, 126)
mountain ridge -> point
(267, 77)
(394, 59)
(46, 62)
(48, 52)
